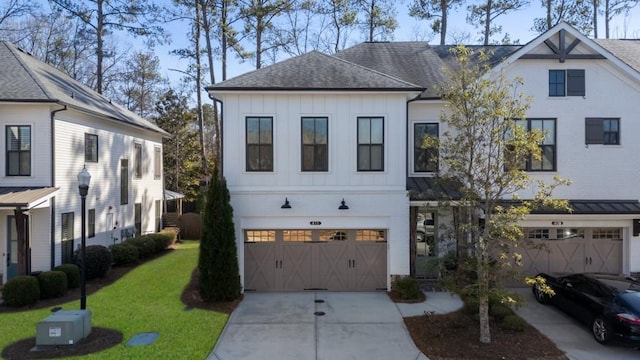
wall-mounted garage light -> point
(343, 205)
(286, 204)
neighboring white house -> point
(304, 134)
(52, 127)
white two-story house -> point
(52, 127)
(332, 190)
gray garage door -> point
(573, 250)
(297, 260)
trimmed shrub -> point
(408, 288)
(500, 311)
(145, 245)
(73, 274)
(21, 291)
(53, 284)
(124, 253)
(99, 261)
(513, 322)
(162, 240)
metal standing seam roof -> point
(24, 78)
(25, 197)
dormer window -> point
(566, 83)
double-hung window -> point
(18, 150)
(566, 83)
(604, 131)
(425, 159)
(547, 161)
(90, 148)
(370, 144)
(315, 139)
(259, 143)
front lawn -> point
(147, 299)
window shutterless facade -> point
(547, 162)
(315, 140)
(566, 82)
(604, 131)
(424, 159)
(90, 148)
(18, 150)
(259, 140)
(370, 144)
(124, 181)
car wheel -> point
(601, 330)
(541, 297)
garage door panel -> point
(260, 267)
(296, 266)
(371, 266)
(605, 256)
(567, 256)
(535, 260)
(333, 266)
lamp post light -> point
(83, 187)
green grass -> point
(146, 299)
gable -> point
(563, 45)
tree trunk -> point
(371, 22)
(223, 37)
(607, 18)
(483, 292)
(443, 25)
(212, 78)
(203, 152)
(259, 29)
(487, 22)
(99, 47)
(548, 15)
(595, 19)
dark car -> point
(609, 304)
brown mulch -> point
(456, 336)
(101, 338)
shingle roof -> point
(316, 71)
(416, 61)
(24, 78)
(627, 50)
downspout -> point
(52, 201)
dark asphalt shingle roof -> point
(316, 71)
(24, 78)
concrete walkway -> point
(323, 326)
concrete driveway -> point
(316, 326)
(569, 335)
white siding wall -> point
(40, 235)
(115, 142)
(376, 200)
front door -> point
(426, 262)
(12, 247)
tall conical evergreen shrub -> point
(218, 261)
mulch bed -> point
(101, 338)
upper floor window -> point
(157, 162)
(370, 144)
(259, 143)
(315, 134)
(566, 83)
(604, 131)
(137, 156)
(124, 181)
(425, 159)
(547, 162)
(19, 150)
(90, 148)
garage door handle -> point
(590, 260)
(349, 263)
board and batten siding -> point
(115, 142)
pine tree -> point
(218, 262)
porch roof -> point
(596, 207)
(431, 189)
(25, 197)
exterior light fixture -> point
(84, 178)
(343, 205)
(286, 204)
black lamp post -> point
(83, 187)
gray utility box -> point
(65, 327)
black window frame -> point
(598, 131)
(67, 224)
(124, 181)
(91, 223)
(570, 83)
(544, 147)
(137, 158)
(91, 148)
(366, 148)
(319, 151)
(263, 147)
(422, 156)
(22, 154)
